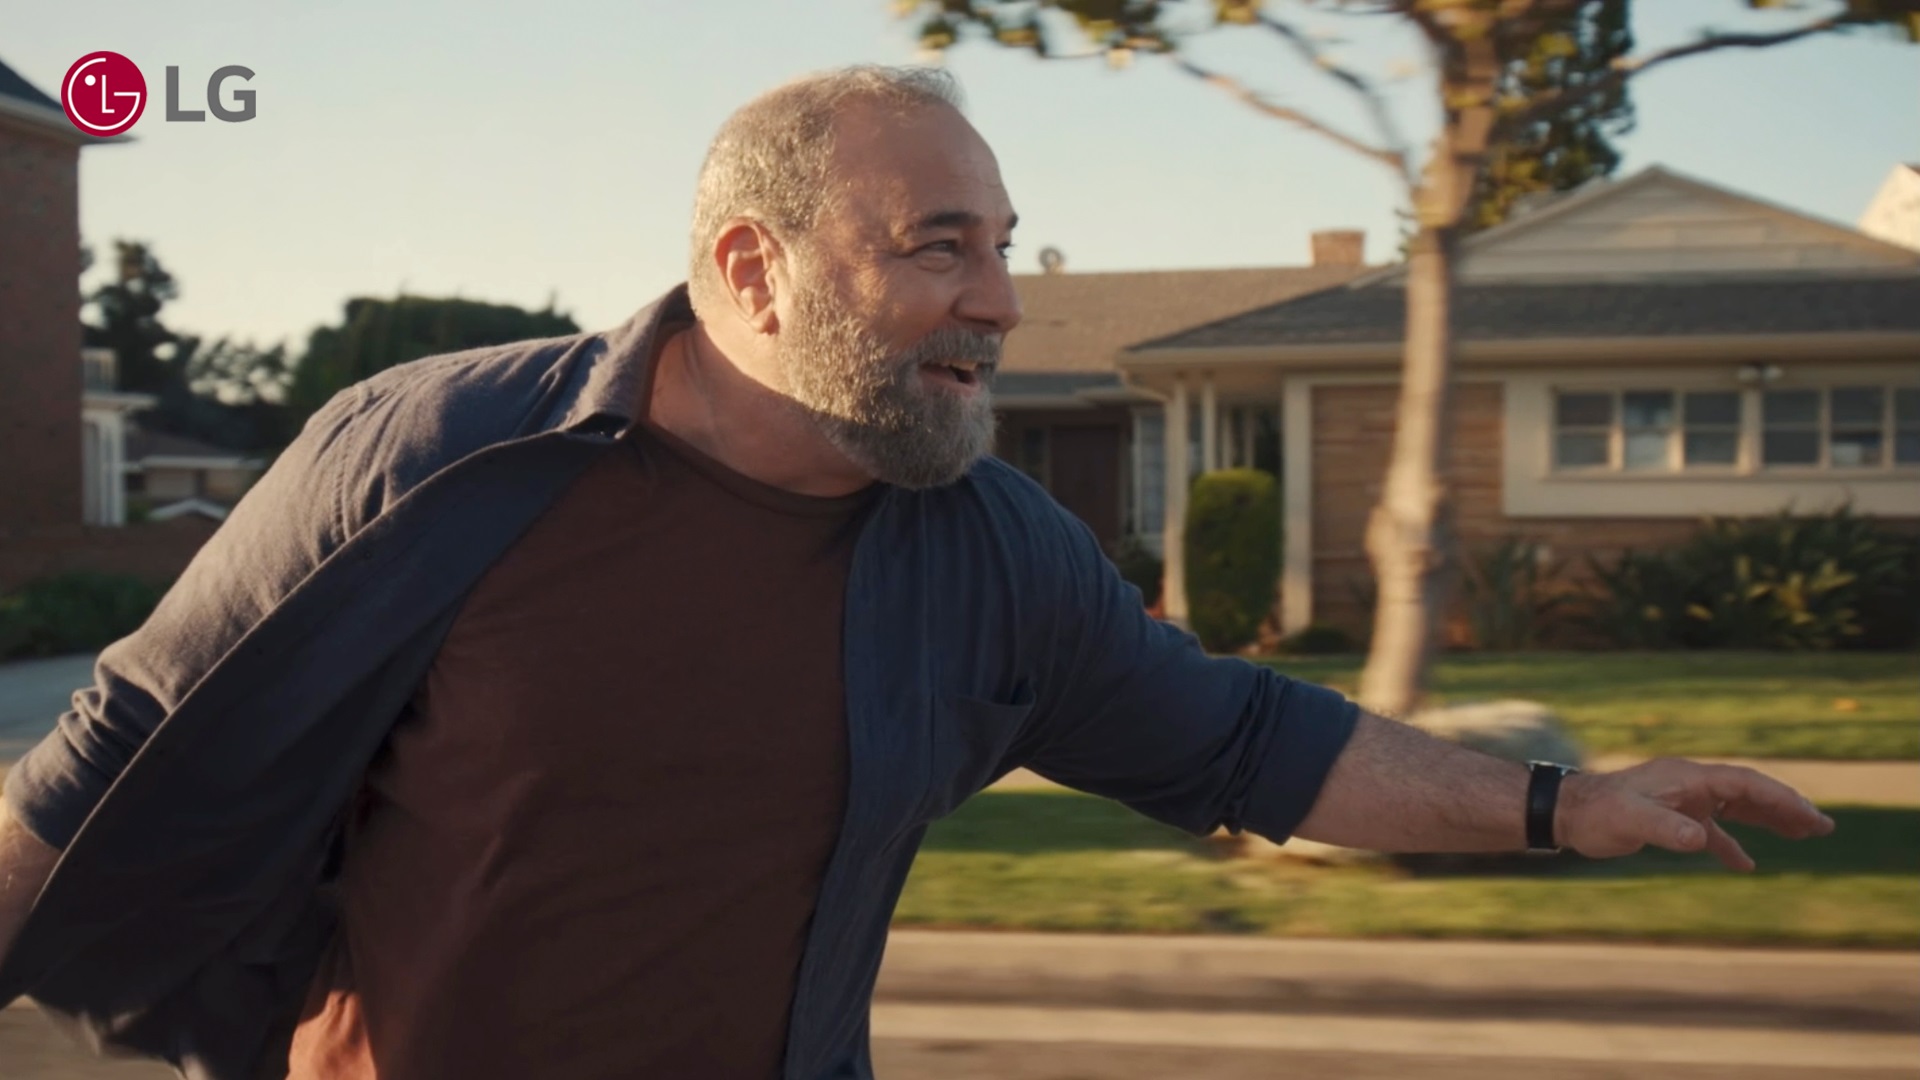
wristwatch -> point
(1543, 794)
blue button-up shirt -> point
(197, 788)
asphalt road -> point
(986, 1043)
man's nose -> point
(990, 301)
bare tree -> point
(1472, 45)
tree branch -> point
(1551, 105)
(1392, 159)
(1383, 122)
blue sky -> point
(512, 153)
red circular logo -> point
(104, 93)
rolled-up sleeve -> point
(284, 527)
(1134, 709)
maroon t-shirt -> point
(594, 845)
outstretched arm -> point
(1396, 788)
(1133, 710)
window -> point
(1642, 431)
(1583, 431)
(1646, 430)
(1149, 472)
(1840, 427)
(1791, 431)
(1250, 437)
(1906, 426)
(1859, 422)
(1710, 428)
(1647, 416)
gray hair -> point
(771, 160)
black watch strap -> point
(1543, 794)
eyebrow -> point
(956, 219)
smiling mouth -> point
(964, 372)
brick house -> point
(1631, 357)
(40, 371)
(58, 476)
(1065, 416)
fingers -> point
(1753, 798)
(1727, 849)
(1651, 823)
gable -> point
(1894, 214)
(1657, 223)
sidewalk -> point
(1053, 1006)
(1853, 991)
(33, 694)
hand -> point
(1673, 804)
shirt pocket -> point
(971, 740)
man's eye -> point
(944, 247)
(1003, 249)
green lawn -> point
(1780, 705)
(1042, 860)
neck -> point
(705, 399)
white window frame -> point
(1534, 486)
(1824, 428)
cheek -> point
(906, 320)
(902, 305)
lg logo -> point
(104, 94)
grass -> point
(1847, 706)
(1044, 860)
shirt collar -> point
(609, 382)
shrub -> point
(1319, 639)
(1140, 567)
(1778, 582)
(73, 612)
(1232, 555)
(1512, 596)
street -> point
(939, 1042)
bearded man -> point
(575, 708)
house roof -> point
(1078, 323)
(143, 444)
(1657, 254)
(1506, 311)
(13, 85)
(23, 104)
(190, 506)
(1045, 383)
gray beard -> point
(872, 403)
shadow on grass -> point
(1868, 840)
(1031, 822)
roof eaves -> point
(44, 121)
(1164, 340)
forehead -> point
(897, 167)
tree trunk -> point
(1408, 535)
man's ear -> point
(751, 272)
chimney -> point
(1340, 247)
